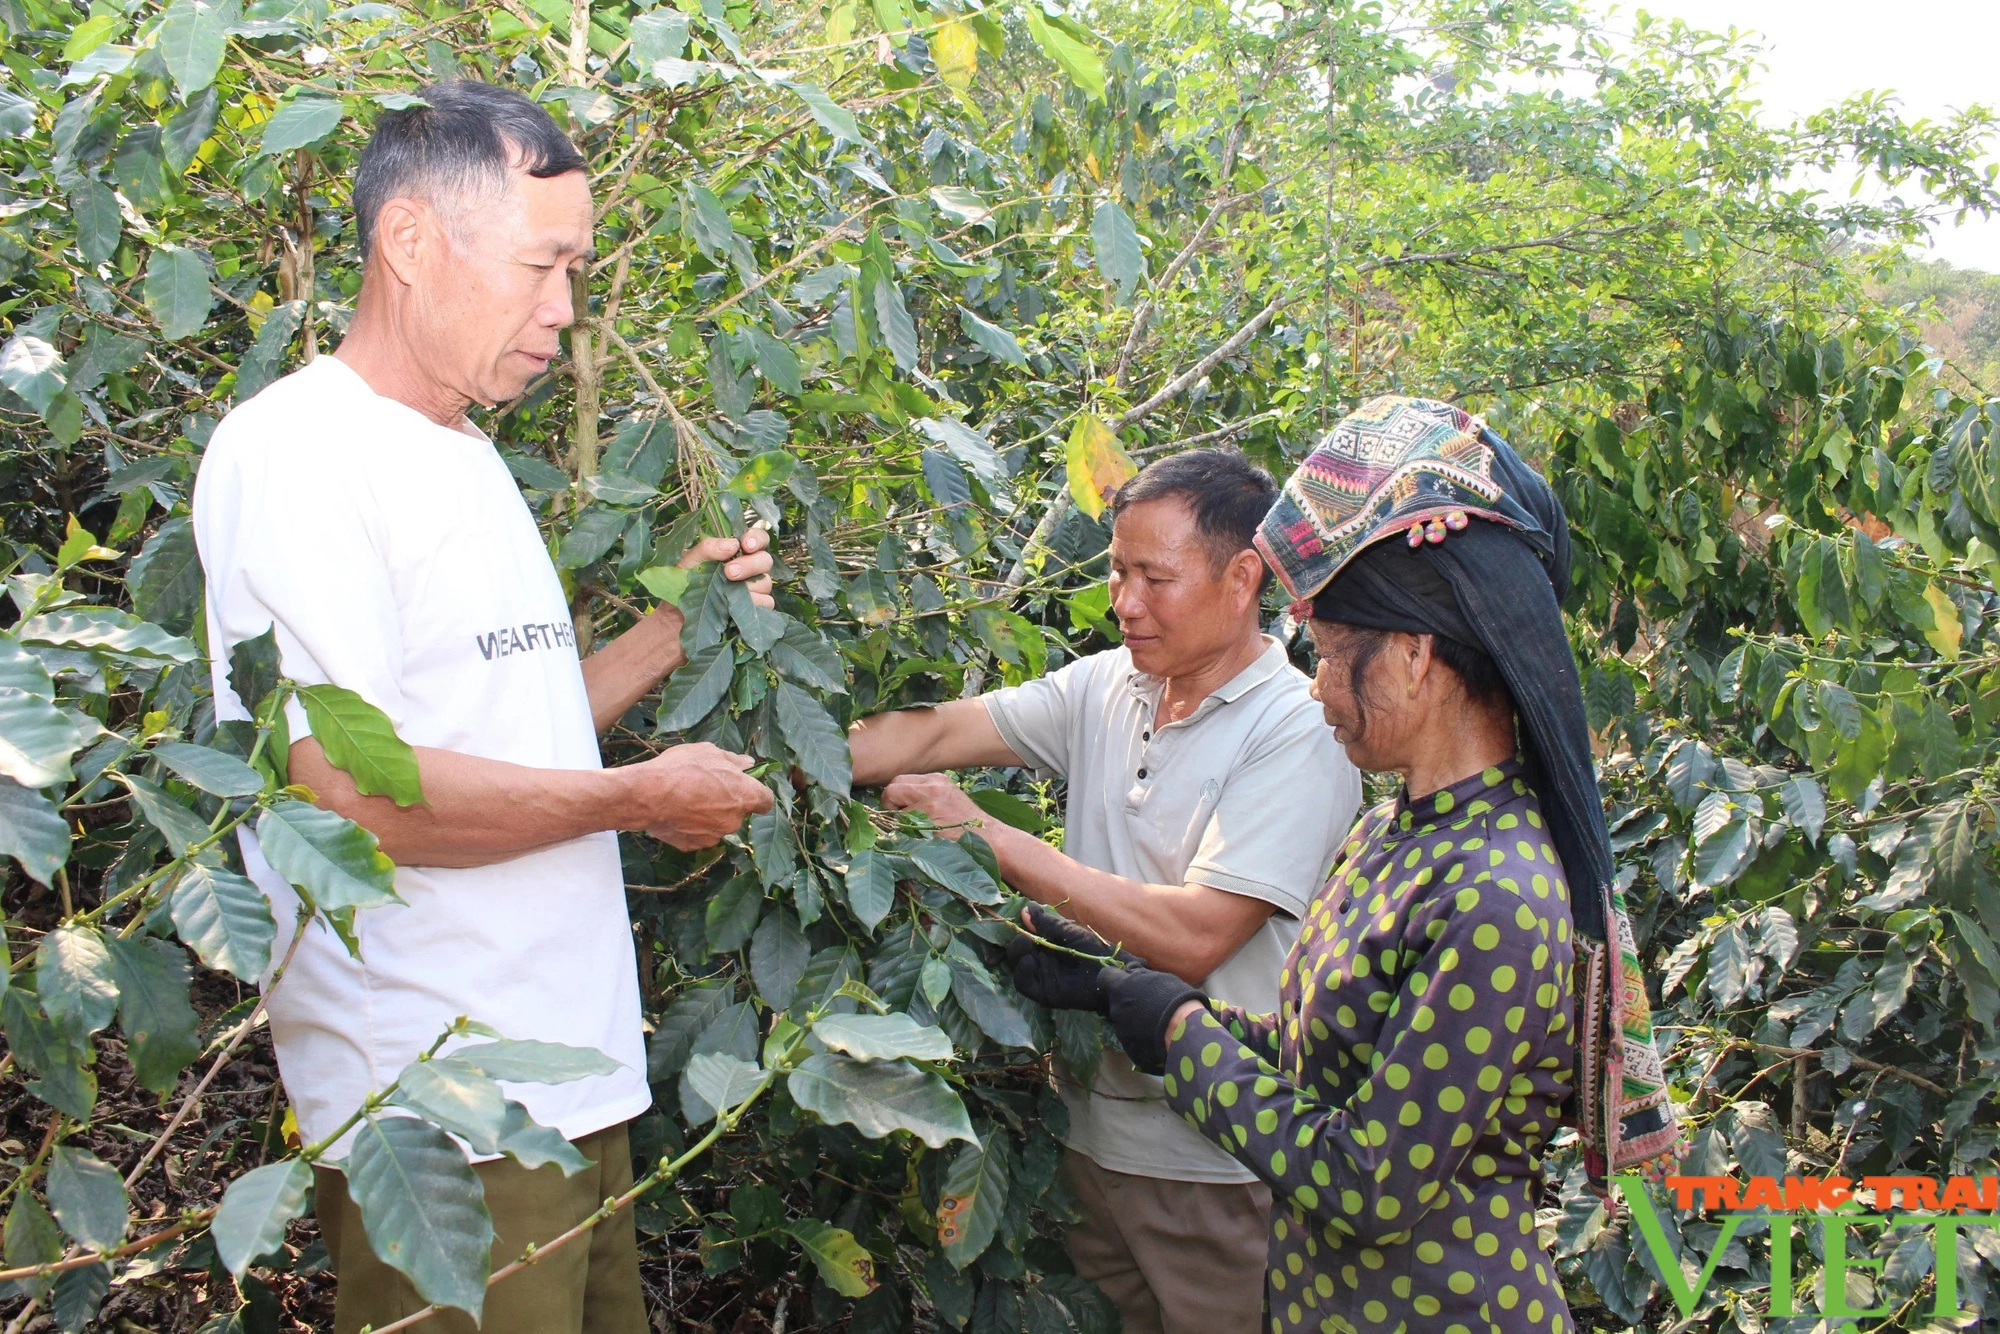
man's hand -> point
(618, 675)
(693, 795)
(938, 797)
(746, 560)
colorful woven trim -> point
(1624, 1111)
(1392, 463)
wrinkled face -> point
(495, 295)
(1369, 724)
(1175, 609)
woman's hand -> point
(1140, 1002)
(1058, 979)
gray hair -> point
(462, 140)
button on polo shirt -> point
(1249, 794)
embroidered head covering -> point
(1484, 559)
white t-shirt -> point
(1250, 794)
(397, 559)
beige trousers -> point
(589, 1286)
(1175, 1257)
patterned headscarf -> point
(1414, 515)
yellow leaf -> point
(955, 48)
(1949, 629)
(1098, 464)
(840, 24)
(289, 1128)
(255, 309)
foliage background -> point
(909, 281)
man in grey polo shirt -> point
(1206, 799)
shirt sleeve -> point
(1280, 817)
(1035, 718)
(1471, 1011)
(290, 540)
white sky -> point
(1937, 56)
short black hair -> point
(1227, 494)
(463, 138)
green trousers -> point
(590, 1286)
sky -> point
(1937, 56)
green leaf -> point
(1805, 805)
(946, 863)
(32, 831)
(815, 739)
(458, 1097)
(79, 1294)
(876, 1097)
(32, 1236)
(181, 827)
(696, 687)
(806, 656)
(94, 207)
(88, 1198)
(423, 1208)
(103, 630)
(22, 670)
(301, 123)
(778, 954)
(899, 331)
(674, 1036)
(250, 1223)
(190, 128)
(847, 1268)
(883, 1037)
(761, 627)
(36, 739)
(777, 362)
(74, 978)
(946, 480)
(871, 888)
(1062, 43)
(253, 669)
(660, 34)
(732, 914)
(335, 861)
(665, 582)
(161, 1030)
(192, 38)
(210, 770)
(166, 577)
(991, 339)
(834, 118)
(721, 1082)
(32, 368)
(526, 1062)
(970, 1199)
(533, 1145)
(225, 920)
(1880, 1002)
(973, 988)
(1114, 243)
(359, 739)
(968, 446)
(731, 1033)
(177, 291)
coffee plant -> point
(913, 284)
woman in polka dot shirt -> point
(1399, 1101)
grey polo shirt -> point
(1250, 794)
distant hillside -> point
(1960, 309)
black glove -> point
(1143, 1002)
(1058, 980)
(1140, 1001)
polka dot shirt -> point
(1399, 1100)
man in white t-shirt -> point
(1206, 800)
(353, 508)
